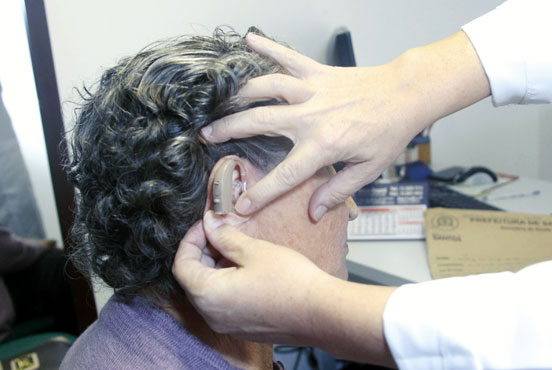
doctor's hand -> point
(362, 116)
(259, 291)
(253, 298)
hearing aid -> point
(226, 188)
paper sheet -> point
(466, 242)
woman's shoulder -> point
(103, 344)
(136, 334)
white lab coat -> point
(490, 321)
(514, 44)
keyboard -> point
(445, 197)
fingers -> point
(270, 120)
(339, 188)
(192, 245)
(188, 267)
(296, 63)
(276, 86)
(302, 162)
(234, 245)
(267, 120)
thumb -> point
(234, 245)
(344, 184)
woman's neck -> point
(239, 353)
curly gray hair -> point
(139, 166)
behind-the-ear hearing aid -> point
(226, 188)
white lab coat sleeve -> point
(513, 44)
(490, 321)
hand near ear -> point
(246, 300)
(274, 294)
(362, 116)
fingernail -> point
(206, 131)
(320, 212)
(211, 221)
(243, 206)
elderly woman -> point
(144, 177)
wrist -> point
(412, 99)
(442, 77)
(347, 320)
(311, 306)
(331, 316)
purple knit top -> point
(139, 335)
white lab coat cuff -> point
(512, 44)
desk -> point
(400, 262)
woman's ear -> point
(228, 180)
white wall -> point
(88, 36)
